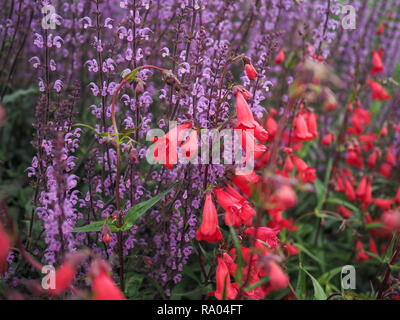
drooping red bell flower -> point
(237, 210)
(390, 158)
(377, 65)
(380, 29)
(253, 150)
(265, 234)
(66, 272)
(5, 246)
(245, 182)
(280, 57)
(372, 246)
(165, 148)
(224, 282)
(385, 170)
(291, 250)
(378, 92)
(391, 219)
(372, 159)
(361, 256)
(385, 204)
(288, 165)
(301, 131)
(209, 230)
(362, 188)
(306, 173)
(271, 126)
(284, 197)
(327, 139)
(103, 287)
(246, 120)
(277, 277)
(346, 213)
(312, 124)
(232, 266)
(250, 71)
(349, 191)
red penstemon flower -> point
(103, 287)
(209, 230)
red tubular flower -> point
(103, 287)
(288, 166)
(327, 140)
(265, 234)
(377, 66)
(372, 246)
(385, 169)
(246, 120)
(64, 276)
(385, 204)
(300, 164)
(237, 209)
(346, 213)
(209, 229)
(372, 159)
(280, 57)
(252, 149)
(224, 282)
(301, 132)
(362, 188)
(306, 173)
(312, 124)
(66, 272)
(277, 277)
(361, 256)
(390, 158)
(271, 126)
(291, 250)
(380, 29)
(378, 92)
(165, 148)
(391, 219)
(230, 264)
(349, 191)
(245, 182)
(250, 71)
(285, 197)
(5, 246)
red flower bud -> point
(250, 71)
(280, 57)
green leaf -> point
(319, 293)
(96, 227)
(131, 217)
(18, 94)
(141, 208)
(239, 269)
(347, 204)
(307, 252)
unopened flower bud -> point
(139, 87)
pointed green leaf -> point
(141, 208)
(319, 293)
